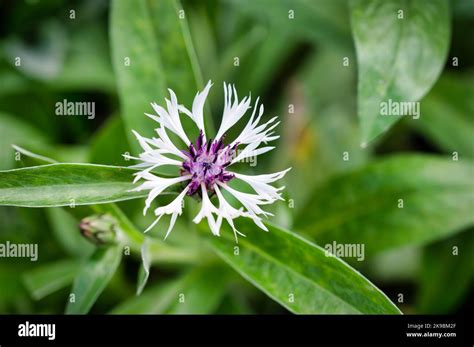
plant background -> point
(296, 63)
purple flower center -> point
(206, 163)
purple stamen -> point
(207, 162)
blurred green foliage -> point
(292, 54)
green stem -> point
(161, 251)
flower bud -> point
(99, 229)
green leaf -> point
(66, 230)
(399, 59)
(50, 154)
(87, 62)
(364, 206)
(107, 145)
(198, 291)
(297, 273)
(268, 52)
(393, 266)
(38, 159)
(12, 291)
(245, 47)
(323, 127)
(160, 251)
(153, 300)
(43, 60)
(66, 184)
(48, 278)
(447, 116)
(204, 291)
(320, 21)
(144, 272)
(93, 277)
(155, 41)
(446, 274)
(13, 82)
(125, 225)
(234, 304)
(15, 131)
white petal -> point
(175, 120)
(207, 210)
(174, 216)
(165, 144)
(153, 224)
(251, 151)
(251, 202)
(143, 141)
(253, 132)
(228, 212)
(153, 155)
(156, 185)
(170, 118)
(261, 184)
(174, 208)
(155, 159)
(197, 114)
(233, 110)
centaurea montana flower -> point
(204, 166)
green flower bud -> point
(99, 229)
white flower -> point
(203, 166)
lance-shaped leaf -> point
(319, 21)
(401, 49)
(66, 185)
(159, 250)
(48, 278)
(399, 201)
(446, 274)
(198, 291)
(65, 228)
(16, 131)
(107, 144)
(151, 51)
(299, 274)
(448, 114)
(144, 271)
(93, 277)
